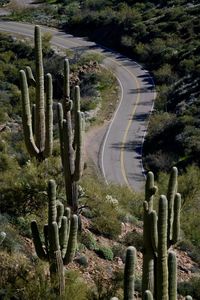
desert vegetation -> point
(82, 253)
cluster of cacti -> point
(2, 237)
(71, 139)
(159, 278)
(60, 237)
(160, 232)
(129, 277)
(38, 120)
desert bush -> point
(88, 240)
(104, 252)
(135, 239)
(191, 287)
(104, 217)
(12, 243)
(107, 287)
(27, 193)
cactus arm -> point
(63, 235)
(176, 221)
(172, 269)
(30, 77)
(46, 238)
(79, 152)
(60, 129)
(40, 115)
(2, 237)
(129, 275)
(154, 230)
(77, 106)
(148, 280)
(33, 118)
(162, 259)
(53, 238)
(49, 118)
(37, 241)
(150, 190)
(26, 116)
(68, 160)
(52, 212)
(60, 212)
(171, 192)
(72, 242)
(148, 295)
(66, 79)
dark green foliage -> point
(88, 240)
(104, 252)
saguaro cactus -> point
(129, 273)
(71, 140)
(174, 202)
(149, 236)
(162, 262)
(152, 230)
(60, 237)
(38, 134)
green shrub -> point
(104, 252)
(191, 287)
(135, 239)
(88, 240)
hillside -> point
(164, 36)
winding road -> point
(120, 156)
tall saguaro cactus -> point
(38, 134)
(154, 233)
(71, 140)
(60, 237)
(149, 236)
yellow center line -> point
(127, 130)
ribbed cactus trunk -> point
(162, 260)
(129, 273)
(39, 100)
(172, 269)
(172, 190)
(149, 236)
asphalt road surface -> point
(120, 156)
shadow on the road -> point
(129, 146)
(147, 89)
(140, 117)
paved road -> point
(121, 148)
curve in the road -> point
(121, 153)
